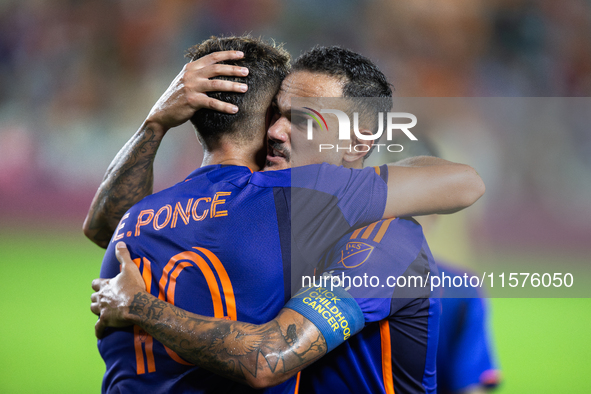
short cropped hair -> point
(360, 76)
(268, 64)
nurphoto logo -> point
(392, 124)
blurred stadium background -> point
(78, 77)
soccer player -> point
(465, 362)
(465, 354)
(164, 230)
(465, 359)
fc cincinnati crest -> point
(355, 253)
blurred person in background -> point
(466, 361)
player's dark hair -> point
(267, 63)
(361, 78)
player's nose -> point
(280, 130)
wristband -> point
(334, 312)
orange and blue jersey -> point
(221, 244)
(465, 354)
(389, 263)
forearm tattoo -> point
(130, 178)
(236, 350)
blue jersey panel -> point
(396, 350)
(217, 244)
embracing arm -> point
(425, 185)
(260, 355)
(130, 175)
(128, 179)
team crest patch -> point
(355, 253)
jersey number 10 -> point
(204, 260)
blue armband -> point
(334, 312)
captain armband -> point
(334, 312)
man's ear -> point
(359, 148)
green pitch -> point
(47, 336)
(47, 340)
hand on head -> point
(187, 92)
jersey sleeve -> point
(359, 194)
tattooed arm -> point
(260, 355)
(130, 176)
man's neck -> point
(230, 154)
